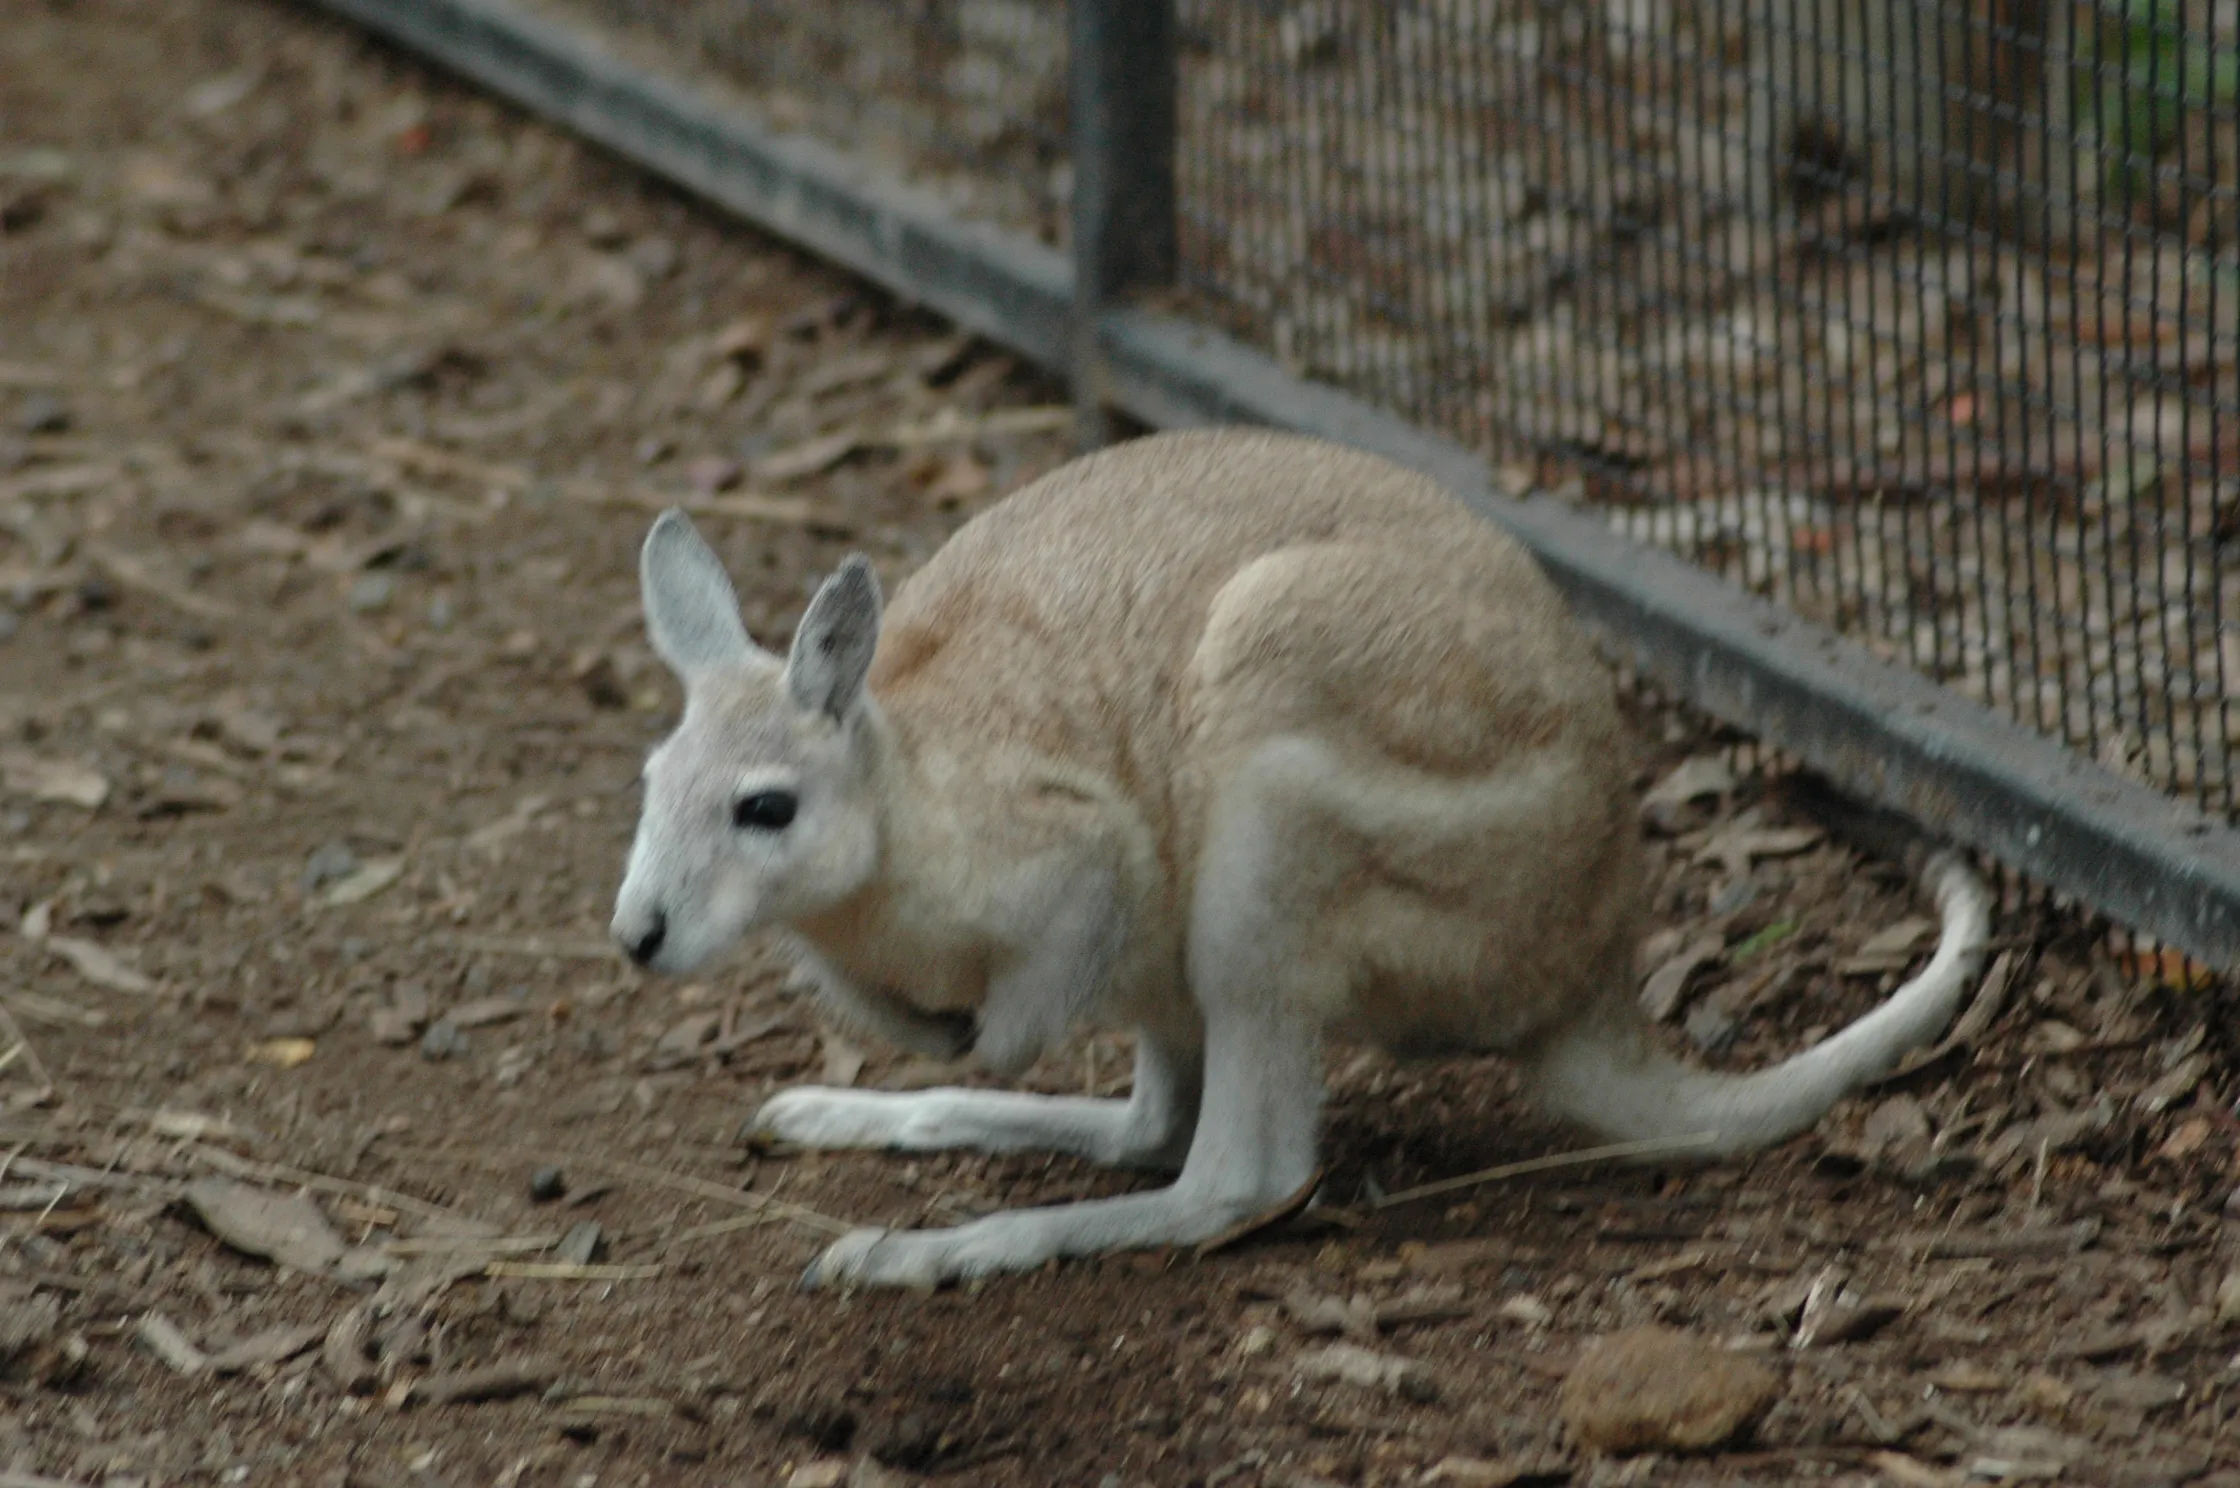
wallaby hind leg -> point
(1150, 1129)
(1259, 987)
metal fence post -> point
(1122, 85)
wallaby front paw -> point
(855, 1260)
(815, 1117)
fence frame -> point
(1877, 730)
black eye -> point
(765, 811)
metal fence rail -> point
(1895, 560)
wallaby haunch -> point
(1236, 739)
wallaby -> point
(1237, 739)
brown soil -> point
(335, 397)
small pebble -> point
(330, 863)
(443, 1040)
(547, 1184)
(372, 593)
(440, 613)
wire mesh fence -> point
(1920, 317)
(966, 97)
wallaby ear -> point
(692, 613)
(832, 649)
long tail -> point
(1610, 1074)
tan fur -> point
(1234, 738)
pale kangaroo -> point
(1235, 739)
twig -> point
(569, 1271)
(22, 1045)
(43, 1009)
(80, 1177)
(236, 1166)
(134, 573)
(490, 1245)
(716, 1227)
(1647, 1147)
(528, 945)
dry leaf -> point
(1903, 938)
(808, 457)
(369, 879)
(98, 965)
(58, 781)
(687, 1040)
(1891, 949)
(1739, 849)
(1661, 992)
(2190, 1137)
(287, 1229)
(1690, 780)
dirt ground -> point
(335, 399)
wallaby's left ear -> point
(832, 649)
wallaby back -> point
(1073, 619)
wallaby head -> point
(762, 806)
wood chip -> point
(165, 1340)
(271, 1346)
(100, 966)
(283, 1053)
(484, 1011)
(368, 880)
(502, 1381)
(1355, 1365)
(63, 782)
(342, 1353)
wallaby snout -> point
(641, 935)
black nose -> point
(648, 945)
